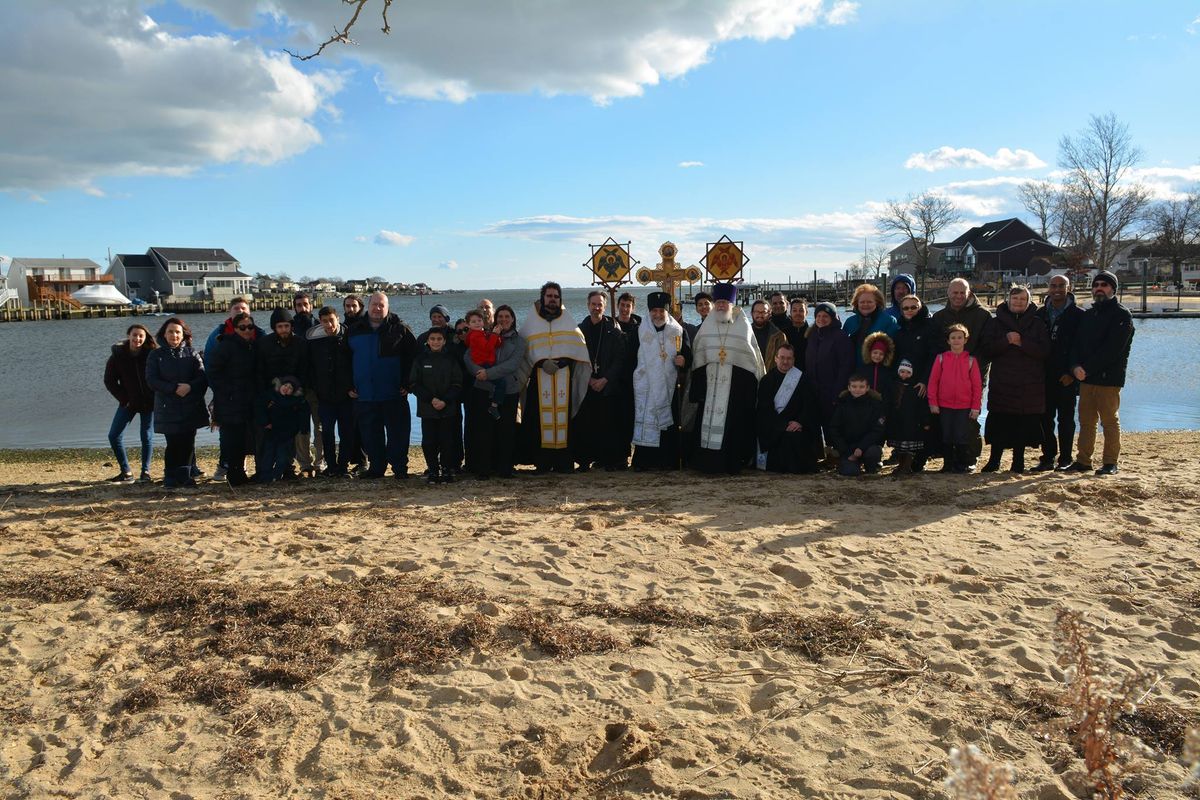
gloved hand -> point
(549, 366)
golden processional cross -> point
(668, 275)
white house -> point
(53, 279)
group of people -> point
(328, 394)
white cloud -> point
(689, 164)
(969, 158)
(1194, 26)
(361, 239)
(394, 239)
(94, 88)
(606, 50)
(451, 264)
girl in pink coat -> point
(956, 396)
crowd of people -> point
(328, 394)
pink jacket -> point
(955, 381)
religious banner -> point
(669, 275)
(724, 261)
(611, 262)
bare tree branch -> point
(343, 36)
(1175, 228)
(1040, 199)
(1098, 162)
(919, 219)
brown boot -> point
(904, 468)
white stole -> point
(654, 380)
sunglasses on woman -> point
(245, 327)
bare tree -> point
(1042, 200)
(919, 218)
(1174, 225)
(342, 35)
(1098, 162)
(874, 263)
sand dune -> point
(929, 604)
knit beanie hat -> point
(280, 315)
(828, 308)
(904, 364)
(1104, 276)
(439, 309)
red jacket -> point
(955, 381)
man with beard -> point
(382, 349)
(689, 428)
(237, 307)
(1099, 359)
(599, 432)
(279, 354)
(766, 336)
(559, 378)
(726, 367)
(1062, 318)
(789, 417)
(310, 451)
(797, 331)
(663, 351)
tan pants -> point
(306, 445)
(1099, 404)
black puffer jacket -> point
(276, 359)
(1018, 383)
(231, 373)
(1103, 342)
(437, 375)
(330, 372)
(165, 370)
(858, 422)
(125, 378)
(917, 341)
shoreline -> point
(599, 635)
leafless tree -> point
(1098, 162)
(874, 262)
(1174, 227)
(1042, 200)
(342, 35)
(919, 218)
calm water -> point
(52, 392)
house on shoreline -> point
(180, 273)
(53, 280)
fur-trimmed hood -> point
(888, 357)
(871, 393)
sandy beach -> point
(599, 635)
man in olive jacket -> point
(1098, 361)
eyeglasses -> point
(909, 308)
(245, 327)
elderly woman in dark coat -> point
(176, 374)
(828, 359)
(125, 379)
(231, 373)
(1017, 342)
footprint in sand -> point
(795, 577)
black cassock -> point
(738, 444)
(789, 452)
(596, 432)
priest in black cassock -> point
(663, 355)
(598, 425)
(726, 366)
(789, 417)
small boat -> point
(100, 295)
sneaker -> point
(1044, 465)
(145, 478)
(220, 473)
(124, 477)
(494, 411)
(1108, 469)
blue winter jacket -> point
(381, 358)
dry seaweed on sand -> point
(559, 638)
(818, 636)
(48, 586)
(1159, 724)
(647, 612)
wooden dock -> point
(52, 310)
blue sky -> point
(485, 144)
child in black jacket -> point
(282, 413)
(437, 381)
(908, 422)
(857, 428)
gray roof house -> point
(181, 273)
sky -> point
(487, 143)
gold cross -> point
(668, 275)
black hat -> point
(658, 300)
(702, 296)
(280, 315)
(1104, 276)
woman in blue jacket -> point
(176, 374)
(868, 316)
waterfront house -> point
(180, 273)
(42, 280)
(904, 259)
(995, 251)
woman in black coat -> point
(176, 374)
(492, 440)
(232, 377)
(1017, 342)
(828, 359)
(125, 379)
